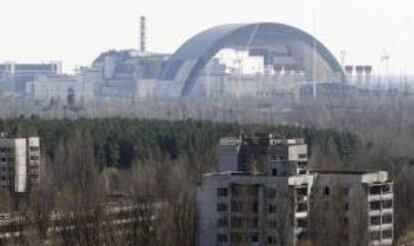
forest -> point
(88, 161)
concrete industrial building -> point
(126, 73)
(20, 163)
(57, 88)
(14, 76)
(265, 194)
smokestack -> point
(368, 75)
(143, 35)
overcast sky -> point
(76, 31)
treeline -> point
(122, 142)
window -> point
(255, 207)
(302, 207)
(272, 208)
(274, 172)
(387, 234)
(302, 191)
(224, 222)
(387, 219)
(236, 222)
(302, 156)
(222, 192)
(254, 238)
(236, 206)
(346, 221)
(302, 164)
(221, 207)
(236, 190)
(375, 235)
(376, 220)
(387, 189)
(375, 190)
(271, 240)
(302, 223)
(326, 191)
(375, 205)
(236, 238)
(387, 204)
(272, 224)
(34, 148)
(346, 206)
(222, 238)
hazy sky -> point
(76, 31)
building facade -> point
(20, 163)
(17, 75)
(265, 194)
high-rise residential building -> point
(265, 194)
(20, 163)
(356, 207)
(267, 154)
(238, 208)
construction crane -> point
(388, 52)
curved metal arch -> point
(190, 59)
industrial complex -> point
(258, 60)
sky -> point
(77, 31)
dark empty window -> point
(272, 208)
(224, 222)
(222, 192)
(375, 205)
(302, 156)
(387, 234)
(236, 206)
(326, 191)
(375, 235)
(274, 172)
(376, 220)
(302, 207)
(302, 223)
(222, 238)
(221, 207)
(271, 240)
(254, 238)
(302, 191)
(387, 219)
(236, 222)
(386, 189)
(375, 190)
(272, 224)
(387, 204)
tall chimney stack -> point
(143, 35)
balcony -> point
(379, 197)
(301, 215)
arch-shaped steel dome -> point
(186, 64)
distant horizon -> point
(47, 30)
